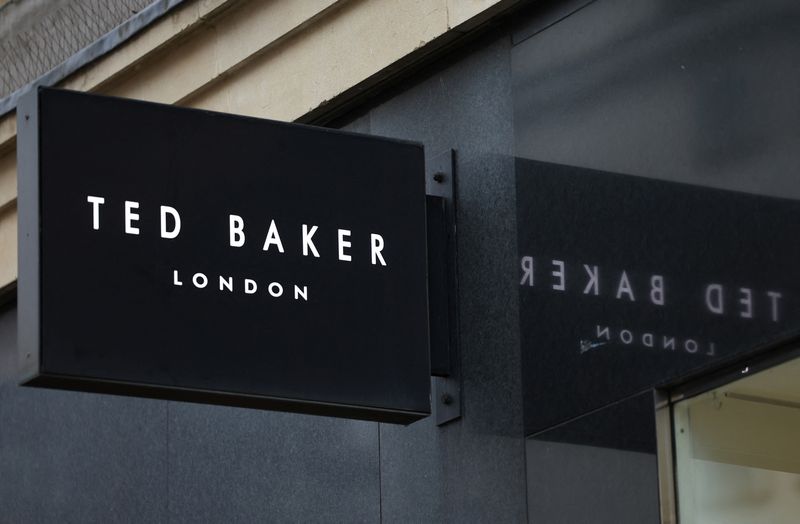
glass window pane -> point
(736, 451)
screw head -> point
(447, 399)
(439, 177)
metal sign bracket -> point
(443, 288)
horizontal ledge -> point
(219, 398)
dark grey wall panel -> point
(75, 457)
(575, 484)
(471, 470)
(238, 465)
(597, 469)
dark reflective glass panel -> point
(627, 282)
(599, 468)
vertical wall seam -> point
(167, 501)
(380, 477)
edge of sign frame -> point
(219, 398)
(283, 123)
(28, 238)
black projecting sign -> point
(190, 255)
(627, 283)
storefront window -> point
(736, 450)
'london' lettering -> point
(227, 283)
(626, 337)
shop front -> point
(622, 303)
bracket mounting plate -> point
(443, 288)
